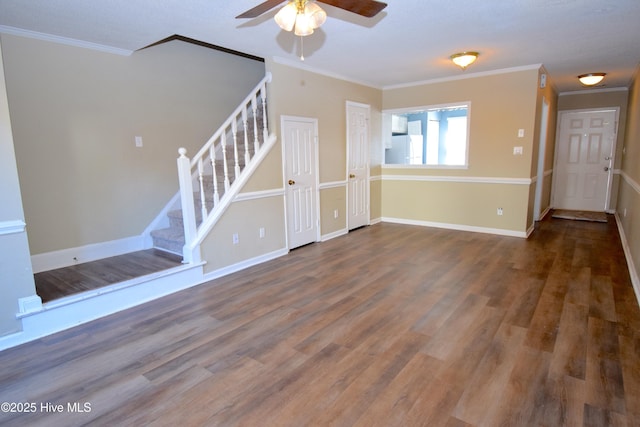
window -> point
(431, 136)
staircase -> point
(210, 180)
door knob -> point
(351, 175)
(291, 182)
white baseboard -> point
(633, 273)
(65, 313)
(333, 235)
(71, 256)
(458, 227)
(224, 271)
(29, 304)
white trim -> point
(375, 178)
(234, 268)
(349, 105)
(588, 91)
(458, 227)
(12, 227)
(545, 112)
(67, 257)
(633, 273)
(255, 195)
(316, 213)
(303, 66)
(464, 77)
(63, 40)
(333, 184)
(630, 181)
(72, 311)
(29, 304)
(333, 235)
(459, 179)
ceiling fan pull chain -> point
(301, 48)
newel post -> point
(186, 199)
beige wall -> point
(629, 191)
(16, 276)
(75, 114)
(500, 105)
(245, 218)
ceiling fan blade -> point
(366, 8)
(260, 9)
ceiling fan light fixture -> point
(286, 17)
(591, 79)
(464, 59)
(301, 16)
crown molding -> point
(465, 76)
(4, 29)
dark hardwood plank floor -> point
(62, 282)
(391, 325)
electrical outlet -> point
(499, 212)
(335, 214)
(625, 213)
(517, 151)
(236, 238)
(520, 133)
(262, 232)
(139, 141)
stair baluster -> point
(212, 157)
(263, 95)
(225, 166)
(234, 134)
(245, 128)
(203, 203)
(254, 107)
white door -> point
(584, 158)
(299, 150)
(357, 165)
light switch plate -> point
(517, 151)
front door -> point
(584, 158)
(299, 149)
(358, 164)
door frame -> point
(314, 121)
(616, 110)
(348, 155)
(542, 154)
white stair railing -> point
(203, 169)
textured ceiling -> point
(410, 41)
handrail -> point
(235, 114)
(203, 170)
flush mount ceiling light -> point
(464, 59)
(301, 16)
(591, 79)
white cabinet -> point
(398, 124)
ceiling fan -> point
(366, 8)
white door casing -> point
(584, 159)
(357, 164)
(299, 147)
(542, 152)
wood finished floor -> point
(391, 325)
(62, 282)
